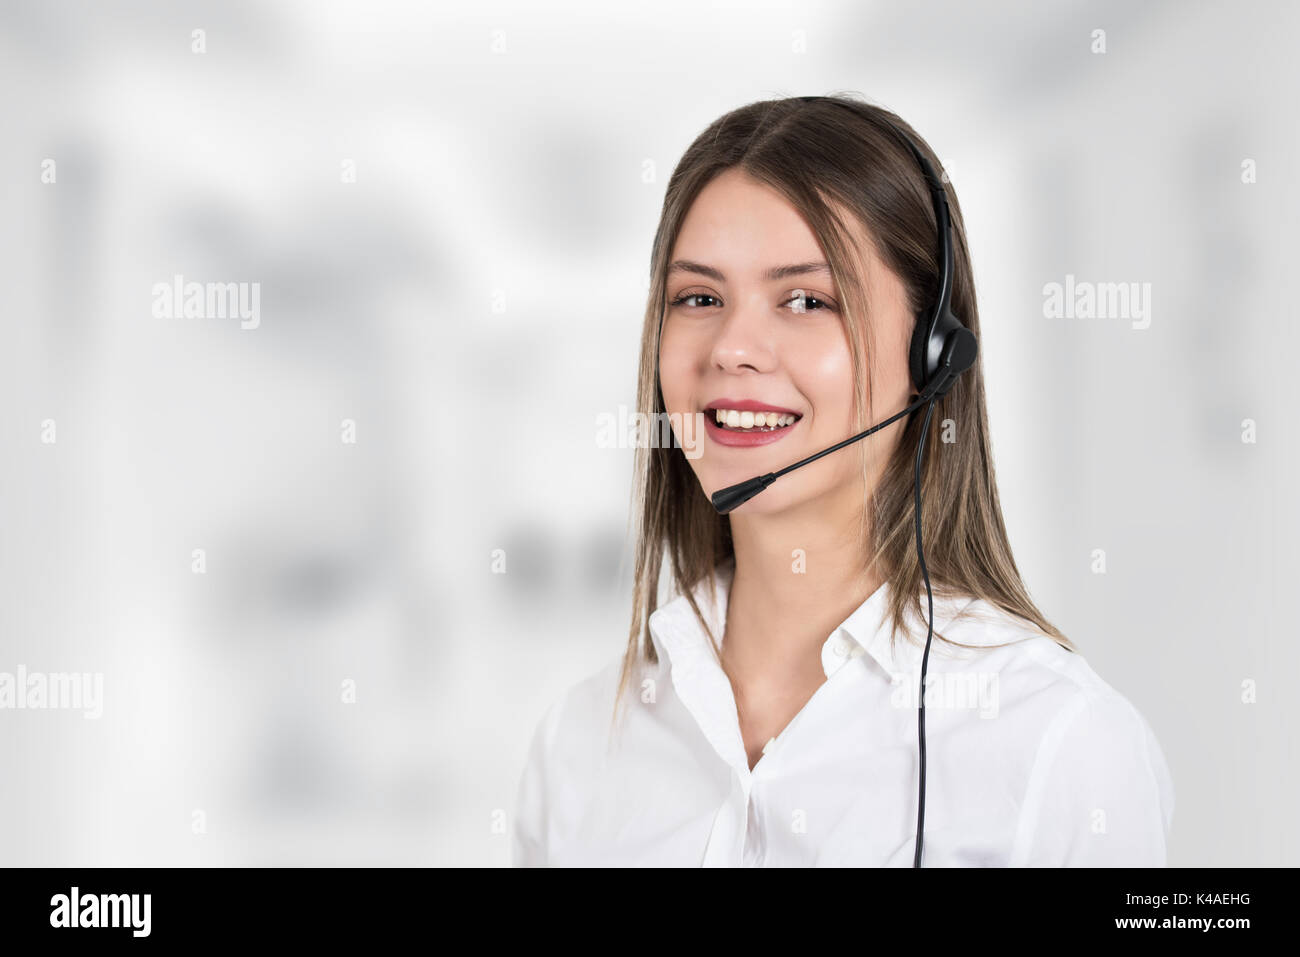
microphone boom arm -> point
(733, 496)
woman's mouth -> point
(748, 427)
(733, 420)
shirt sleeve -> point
(529, 833)
(1100, 793)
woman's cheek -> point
(829, 375)
(676, 370)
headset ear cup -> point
(948, 328)
(916, 353)
(965, 350)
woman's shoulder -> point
(1098, 787)
(1016, 648)
(576, 716)
(1052, 687)
(1084, 719)
(563, 752)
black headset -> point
(941, 347)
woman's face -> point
(740, 339)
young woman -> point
(768, 713)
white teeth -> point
(735, 419)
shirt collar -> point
(676, 631)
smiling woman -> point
(771, 721)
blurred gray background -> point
(472, 302)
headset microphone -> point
(941, 349)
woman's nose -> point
(745, 339)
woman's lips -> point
(744, 405)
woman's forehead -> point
(744, 229)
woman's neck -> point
(794, 583)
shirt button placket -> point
(755, 839)
(726, 845)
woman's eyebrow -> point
(775, 272)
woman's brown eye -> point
(681, 300)
(808, 303)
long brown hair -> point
(831, 156)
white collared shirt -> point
(1031, 758)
